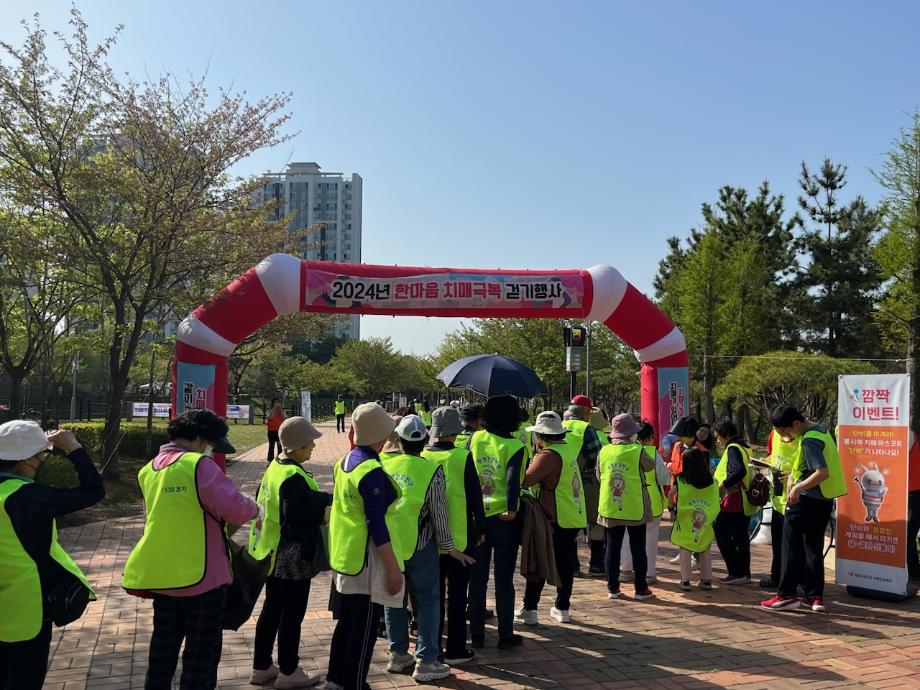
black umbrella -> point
(493, 375)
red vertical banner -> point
(874, 415)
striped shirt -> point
(433, 520)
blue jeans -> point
(423, 583)
(504, 538)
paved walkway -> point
(677, 640)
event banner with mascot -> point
(874, 416)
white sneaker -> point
(675, 560)
(651, 579)
(298, 679)
(526, 617)
(427, 671)
(614, 595)
(400, 663)
(262, 677)
(560, 615)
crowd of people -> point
(426, 508)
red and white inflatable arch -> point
(283, 284)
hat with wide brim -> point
(624, 426)
(548, 424)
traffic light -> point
(577, 337)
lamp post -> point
(74, 367)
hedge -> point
(133, 443)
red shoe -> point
(816, 604)
(780, 603)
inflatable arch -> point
(284, 284)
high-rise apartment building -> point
(326, 200)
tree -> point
(374, 366)
(898, 251)
(840, 281)
(137, 175)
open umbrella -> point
(493, 375)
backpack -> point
(758, 493)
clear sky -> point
(528, 134)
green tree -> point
(898, 251)
(839, 282)
(373, 365)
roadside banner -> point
(874, 415)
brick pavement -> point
(677, 640)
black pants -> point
(732, 537)
(340, 422)
(636, 549)
(273, 443)
(197, 620)
(913, 527)
(503, 538)
(803, 547)
(776, 544)
(282, 613)
(455, 583)
(23, 665)
(565, 549)
(353, 641)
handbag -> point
(320, 562)
(758, 493)
(249, 577)
(66, 602)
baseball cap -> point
(582, 401)
(20, 440)
(411, 428)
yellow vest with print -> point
(696, 511)
(721, 474)
(413, 475)
(621, 482)
(491, 455)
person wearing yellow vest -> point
(470, 420)
(340, 414)
(182, 559)
(467, 525)
(695, 498)
(498, 455)
(585, 438)
(363, 545)
(815, 481)
(423, 524)
(425, 414)
(733, 475)
(781, 456)
(554, 474)
(625, 505)
(292, 510)
(34, 569)
(656, 480)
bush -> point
(133, 442)
(58, 472)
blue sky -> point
(535, 134)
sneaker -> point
(675, 560)
(526, 617)
(626, 576)
(816, 604)
(426, 671)
(705, 585)
(478, 641)
(781, 603)
(768, 582)
(652, 580)
(735, 580)
(400, 663)
(459, 659)
(510, 642)
(597, 571)
(643, 595)
(258, 677)
(298, 679)
(684, 585)
(614, 595)
(560, 615)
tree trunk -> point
(709, 407)
(16, 378)
(111, 435)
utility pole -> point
(74, 366)
(588, 358)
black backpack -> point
(758, 493)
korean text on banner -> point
(874, 415)
(139, 409)
(306, 405)
(674, 396)
(195, 387)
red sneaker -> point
(780, 603)
(816, 604)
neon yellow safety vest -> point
(832, 487)
(21, 599)
(340, 407)
(696, 511)
(463, 440)
(172, 553)
(602, 436)
(453, 462)
(265, 532)
(655, 494)
(781, 458)
(621, 482)
(389, 454)
(348, 533)
(721, 474)
(527, 440)
(491, 454)
(413, 475)
(426, 418)
(571, 512)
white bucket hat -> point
(548, 424)
(372, 424)
(20, 440)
